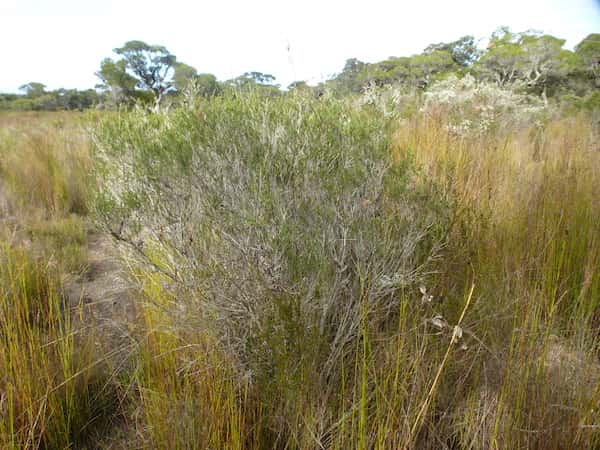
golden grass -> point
(44, 163)
(54, 387)
(527, 227)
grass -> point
(45, 163)
(527, 228)
(57, 388)
(311, 274)
(55, 394)
(63, 241)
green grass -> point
(63, 241)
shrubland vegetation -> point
(535, 62)
(407, 258)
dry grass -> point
(45, 164)
(56, 387)
(527, 228)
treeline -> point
(534, 61)
(35, 97)
(537, 61)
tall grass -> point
(186, 387)
(44, 163)
(57, 390)
(527, 227)
(54, 392)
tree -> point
(260, 78)
(33, 89)
(464, 51)
(183, 75)
(502, 58)
(206, 85)
(299, 86)
(538, 60)
(150, 66)
(385, 72)
(70, 99)
(264, 83)
(153, 65)
(426, 65)
(349, 80)
(543, 60)
(589, 51)
(116, 80)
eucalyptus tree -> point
(152, 65)
(500, 62)
(464, 51)
(141, 67)
(33, 89)
(589, 52)
(183, 75)
(116, 81)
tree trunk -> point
(544, 96)
(157, 101)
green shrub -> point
(281, 225)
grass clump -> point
(62, 241)
(527, 227)
(45, 164)
(55, 393)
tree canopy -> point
(141, 67)
(33, 89)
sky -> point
(61, 42)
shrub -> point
(283, 226)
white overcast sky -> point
(61, 42)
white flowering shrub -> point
(471, 107)
(477, 107)
(392, 100)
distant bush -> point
(467, 105)
(476, 107)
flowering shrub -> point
(471, 107)
(477, 107)
(391, 100)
